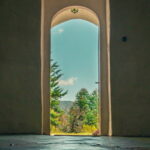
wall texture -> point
(130, 67)
(20, 91)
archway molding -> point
(54, 12)
(75, 12)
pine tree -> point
(91, 117)
(56, 92)
(84, 110)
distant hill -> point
(66, 105)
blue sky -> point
(74, 46)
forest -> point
(82, 117)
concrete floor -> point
(36, 142)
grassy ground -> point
(74, 134)
(86, 131)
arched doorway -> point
(75, 35)
(49, 12)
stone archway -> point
(97, 11)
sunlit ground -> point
(63, 133)
(86, 131)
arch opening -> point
(49, 19)
(78, 24)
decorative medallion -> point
(74, 10)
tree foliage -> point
(84, 110)
(56, 92)
(83, 113)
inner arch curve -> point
(74, 12)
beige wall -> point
(20, 91)
(130, 67)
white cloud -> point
(60, 31)
(70, 81)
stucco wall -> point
(130, 67)
(20, 95)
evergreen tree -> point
(84, 111)
(91, 117)
(56, 92)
